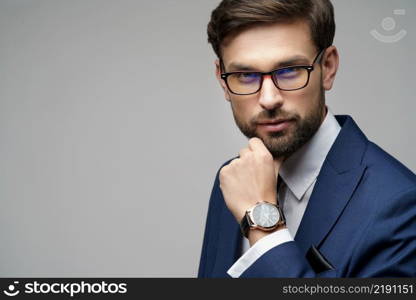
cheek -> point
(298, 103)
(245, 109)
(303, 101)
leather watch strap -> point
(245, 226)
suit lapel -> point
(335, 185)
(329, 198)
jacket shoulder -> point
(387, 169)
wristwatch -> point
(264, 216)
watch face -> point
(265, 215)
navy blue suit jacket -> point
(361, 217)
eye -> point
(288, 73)
(247, 77)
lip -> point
(275, 125)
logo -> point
(68, 288)
(389, 24)
(11, 290)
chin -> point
(280, 144)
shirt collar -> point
(301, 169)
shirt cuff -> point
(258, 249)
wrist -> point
(255, 235)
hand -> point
(249, 178)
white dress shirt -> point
(299, 173)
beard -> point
(285, 142)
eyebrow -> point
(293, 61)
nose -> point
(269, 95)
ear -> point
(221, 81)
(330, 62)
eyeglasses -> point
(286, 79)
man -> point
(309, 196)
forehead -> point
(265, 45)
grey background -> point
(112, 127)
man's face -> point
(284, 120)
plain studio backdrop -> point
(112, 126)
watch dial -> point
(266, 215)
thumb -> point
(277, 163)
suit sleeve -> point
(387, 248)
(204, 267)
(284, 260)
(258, 249)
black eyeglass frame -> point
(310, 68)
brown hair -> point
(233, 16)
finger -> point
(278, 161)
(234, 161)
(244, 151)
(277, 164)
(255, 144)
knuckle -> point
(223, 171)
(266, 156)
(233, 162)
(249, 155)
(253, 141)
